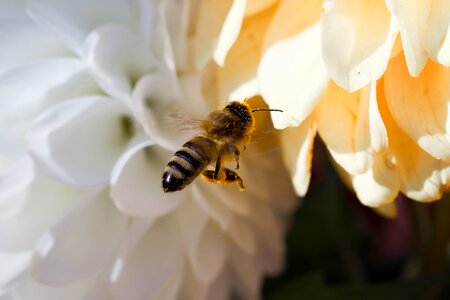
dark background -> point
(339, 249)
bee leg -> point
(229, 177)
(235, 151)
(232, 176)
(217, 169)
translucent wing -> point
(179, 121)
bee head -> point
(242, 111)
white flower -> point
(83, 215)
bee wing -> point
(181, 122)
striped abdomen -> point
(187, 163)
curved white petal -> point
(420, 106)
(243, 236)
(13, 264)
(230, 31)
(379, 185)
(297, 146)
(157, 258)
(79, 140)
(28, 193)
(357, 39)
(72, 20)
(205, 196)
(137, 190)
(437, 36)
(412, 18)
(245, 268)
(204, 243)
(162, 112)
(118, 57)
(26, 287)
(13, 181)
(18, 34)
(292, 77)
(27, 90)
(81, 243)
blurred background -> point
(339, 249)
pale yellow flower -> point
(371, 77)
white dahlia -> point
(84, 90)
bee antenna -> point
(266, 109)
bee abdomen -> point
(187, 163)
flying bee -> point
(225, 133)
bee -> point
(225, 133)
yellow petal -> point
(388, 210)
(357, 40)
(291, 18)
(292, 77)
(437, 37)
(420, 173)
(420, 106)
(243, 58)
(230, 31)
(256, 6)
(342, 130)
(412, 18)
(297, 145)
(210, 18)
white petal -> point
(420, 106)
(79, 140)
(204, 242)
(437, 36)
(248, 276)
(37, 205)
(137, 190)
(155, 261)
(292, 77)
(379, 185)
(205, 196)
(357, 39)
(28, 288)
(13, 181)
(175, 15)
(118, 57)
(29, 89)
(13, 264)
(18, 34)
(297, 147)
(412, 18)
(230, 31)
(81, 243)
(348, 142)
(243, 236)
(72, 20)
(162, 112)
